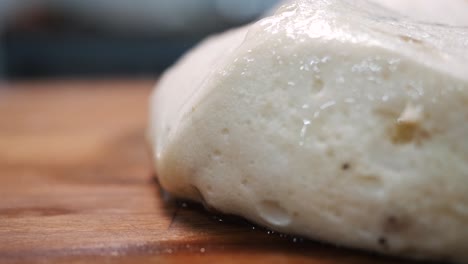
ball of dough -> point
(335, 120)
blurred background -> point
(109, 38)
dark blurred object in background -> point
(90, 38)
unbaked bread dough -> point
(449, 12)
(336, 120)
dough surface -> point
(336, 120)
(449, 12)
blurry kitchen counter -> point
(76, 186)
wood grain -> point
(76, 186)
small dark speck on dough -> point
(393, 224)
(386, 73)
(346, 166)
(410, 39)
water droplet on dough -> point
(249, 59)
(305, 123)
(273, 213)
(327, 104)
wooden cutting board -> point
(77, 186)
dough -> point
(451, 12)
(336, 120)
